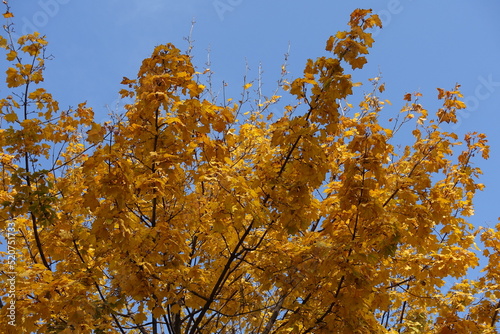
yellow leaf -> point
(12, 117)
(329, 43)
(460, 104)
(248, 85)
(96, 133)
(8, 15)
(175, 308)
(140, 318)
(341, 34)
(441, 93)
(158, 312)
(11, 55)
(14, 79)
(358, 62)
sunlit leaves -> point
(309, 219)
(14, 78)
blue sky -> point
(424, 44)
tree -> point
(190, 215)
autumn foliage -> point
(187, 214)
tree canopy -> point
(191, 214)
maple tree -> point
(190, 215)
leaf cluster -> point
(184, 215)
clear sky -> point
(424, 44)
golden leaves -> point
(178, 211)
(358, 62)
(372, 21)
(11, 55)
(96, 133)
(14, 78)
(11, 117)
